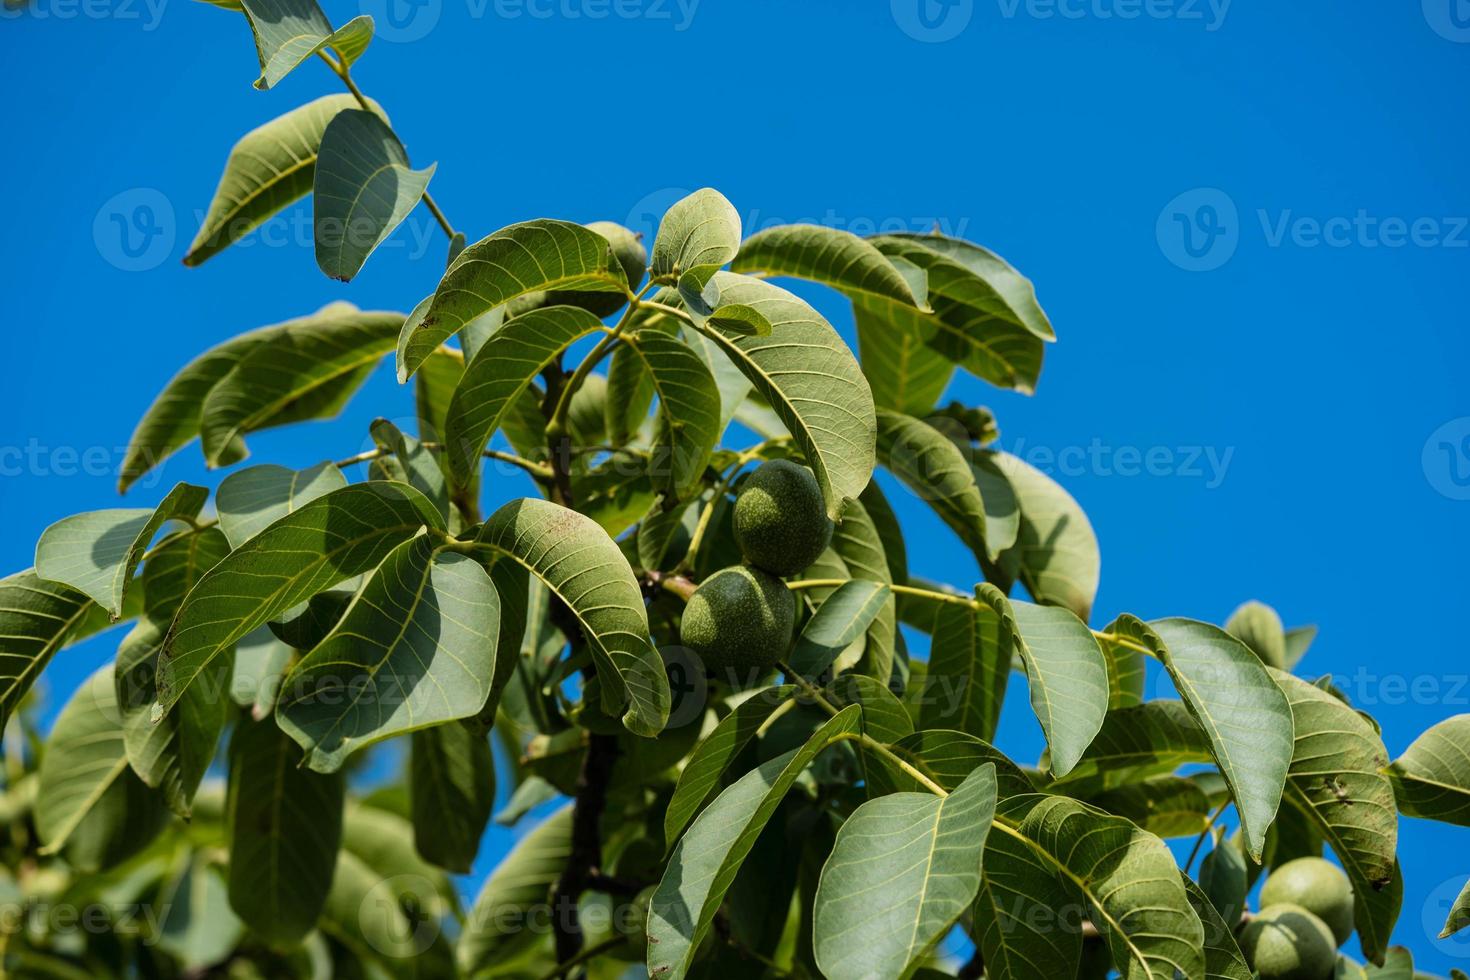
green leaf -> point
(936, 470)
(905, 867)
(284, 823)
(1149, 739)
(1026, 921)
(629, 395)
(689, 410)
(905, 373)
(702, 773)
(884, 716)
(261, 663)
(859, 544)
(409, 462)
(1223, 959)
(707, 858)
(504, 370)
(37, 618)
(452, 788)
(287, 32)
(697, 235)
(307, 370)
(363, 189)
(1127, 672)
(1259, 627)
(985, 342)
(890, 532)
(996, 287)
(1128, 878)
(173, 755)
(198, 928)
(1056, 551)
(1241, 709)
(585, 569)
(271, 167)
(254, 498)
(1459, 916)
(969, 665)
(524, 258)
(1225, 879)
(1165, 806)
(1066, 670)
(1337, 780)
(329, 540)
(417, 647)
(843, 617)
(1398, 964)
(515, 896)
(813, 384)
(1432, 778)
(830, 256)
(96, 553)
(89, 801)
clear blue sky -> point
(1288, 362)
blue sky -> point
(1246, 220)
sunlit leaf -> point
(254, 498)
(287, 32)
(830, 256)
(697, 234)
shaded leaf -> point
(452, 788)
(938, 473)
(1223, 959)
(1459, 916)
(284, 825)
(364, 188)
(1027, 923)
(947, 757)
(37, 618)
(702, 773)
(271, 167)
(254, 498)
(905, 373)
(1056, 550)
(857, 542)
(308, 369)
(843, 617)
(689, 410)
(89, 803)
(515, 896)
(96, 553)
(1259, 627)
(969, 665)
(327, 541)
(287, 32)
(1066, 671)
(705, 861)
(417, 647)
(1000, 291)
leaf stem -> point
(1199, 841)
(932, 595)
(340, 69)
(540, 471)
(815, 693)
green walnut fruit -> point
(739, 618)
(780, 521)
(1286, 942)
(1318, 886)
(630, 254)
